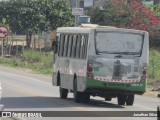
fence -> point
(14, 45)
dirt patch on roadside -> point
(152, 93)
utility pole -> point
(76, 16)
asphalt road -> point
(23, 91)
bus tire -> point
(158, 113)
(77, 95)
(121, 99)
(130, 99)
(58, 79)
(85, 97)
(63, 93)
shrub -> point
(32, 56)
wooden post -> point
(32, 46)
(40, 49)
(2, 47)
(22, 50)
(45, 42)
(16, 49)
(10, 44)
(7, 46)
(39, 45)
(34, 42)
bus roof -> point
(86, 28)
(95, 26)
(73, 30)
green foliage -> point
(15, 62)
(36, 61)
(150, 82)
(154, 64)
(35, 14)
(47, 60)
(30, 16)
(31, 60)
(32, 56)
(155, 9)
(11, 62)
(112, 14)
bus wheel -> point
(77, 95)
(121, 99)
(63, 93)
(85, 97)
(58, 79)
(130, 100)
(158, 113)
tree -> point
(114, 12)
(33, 15)
(131, 14)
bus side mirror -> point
(55, 46)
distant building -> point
(81, 3)
(148, 3)
(98, 3)
(88, 3)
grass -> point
(154, 64)
(31, 60)
(32, 56)
(154, 67)
(11, 62)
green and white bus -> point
(101, 61)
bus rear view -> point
(117, 66)
(101, 61)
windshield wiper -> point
(118, 56)
(128, 53)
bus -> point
(102, 61)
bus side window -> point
(83, 53)
(74, 46)
(59, 40)
(82, 47)
(78, 46)
(86, 46)
(65, 46)
(70, 46)
(61, 45)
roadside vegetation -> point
(154, 67)
(33, 60)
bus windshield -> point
(119, 43)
